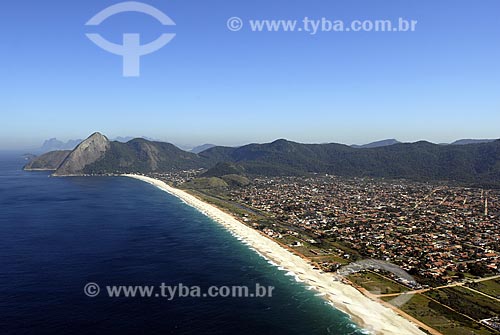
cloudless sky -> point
(212, 85)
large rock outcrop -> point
(86, 153)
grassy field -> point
(341, 246)
(489, 287)
(467, 302)
(440, 318)
(376, 284)
(330, 258)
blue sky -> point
(213, 85)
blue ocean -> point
(58, 234)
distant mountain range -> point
(477, 164)
(469, 141)
(378, 144)
(125, 139)
(385, 143)
(202, 148)
(54, 144)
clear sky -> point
(213, 85)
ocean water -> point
(58, 234)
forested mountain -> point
(473, 163)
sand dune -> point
(369, 314)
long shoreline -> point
(367, 313)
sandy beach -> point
(369, 314)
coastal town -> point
(446, 236)
(432, 230)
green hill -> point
(140, 155)
(49, 161)
(473, 163)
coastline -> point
(368, 314)
(39, 170)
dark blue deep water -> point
(57, 234)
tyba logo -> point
(131, 50)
